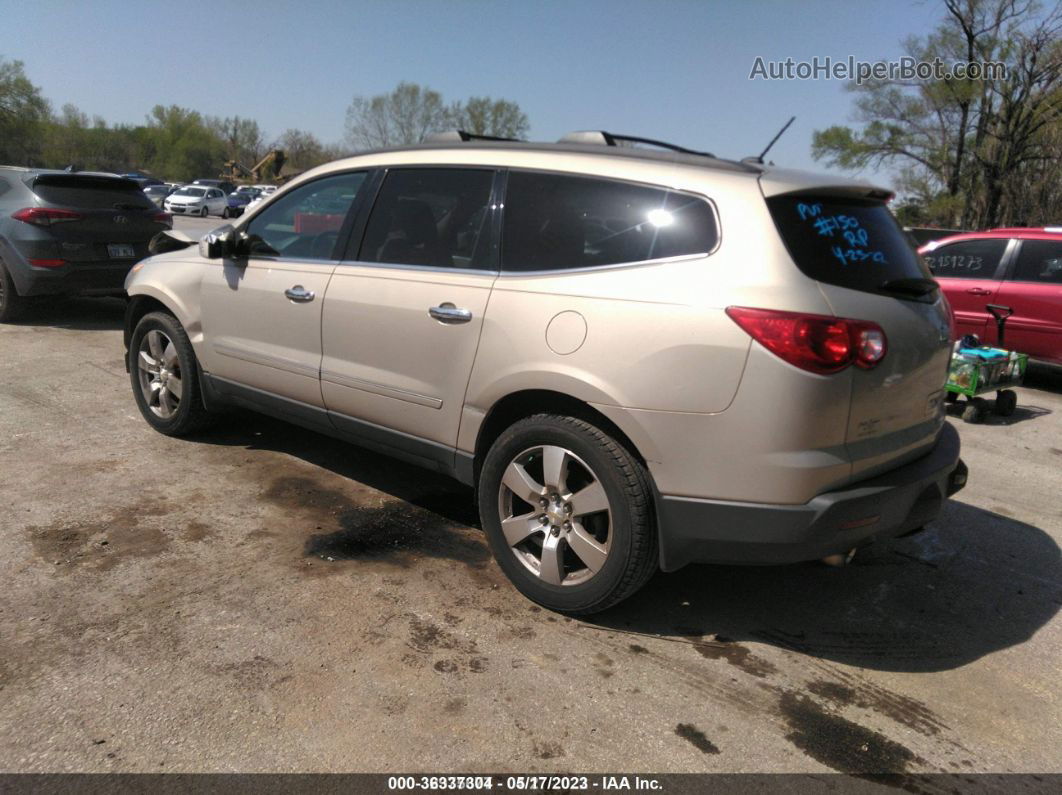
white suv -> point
(641, 359)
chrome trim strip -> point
(379, 389)
(268, 360)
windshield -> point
(191, 192)
(848, 242)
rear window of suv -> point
(847, 242)
(90, 193)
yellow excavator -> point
(265, 170)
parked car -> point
(1020, 268)
(158, 193)
(641, 359)
(237, 202)
(142, 179)
(64, 233)
(224, 185)
(197, 200)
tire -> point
(204, 212)
(11, 303)
(225, 213)
(577, 562)
(174, 412)
(1006, 402)
(975, 411)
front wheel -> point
(165, 376)
(568, 513)
(225, 213)
(204, 213)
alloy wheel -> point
(555, 515)
(159, 370)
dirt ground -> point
(262, 598)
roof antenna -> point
(759, 158)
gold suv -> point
(640, 357)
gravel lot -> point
(263, 598)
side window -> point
(305, 223)
(970, 259)
(555, 221)
(430, 216)
(1039, 261)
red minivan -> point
(1020, 268)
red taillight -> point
(47, 263)
(45, 216)
(817, 343)
(162, 218)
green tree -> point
(180, 144)
(23, 116)
(486, 116)
(964, 147)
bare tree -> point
(405, 116)
(486, 116)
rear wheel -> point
(568, 514)
(225, 212)
(975, 411)
(1006, 402)
(11, 303)
(165, 376)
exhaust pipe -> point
(840, 559)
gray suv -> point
(640, 359)
(63, 233)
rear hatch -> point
(847, 240)
(111, 219)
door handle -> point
(448, 313)
(979, 291)
(300, 294)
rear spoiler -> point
(61, 179)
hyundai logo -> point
(121, 219)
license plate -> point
(121, 251)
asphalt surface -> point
(262, 598)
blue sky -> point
(677, 71)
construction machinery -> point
(265, 170)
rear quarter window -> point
(847, 242)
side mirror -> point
(218, 243)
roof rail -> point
(455, 136)
(602, 138)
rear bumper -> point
(79, 277)
(888, 505)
